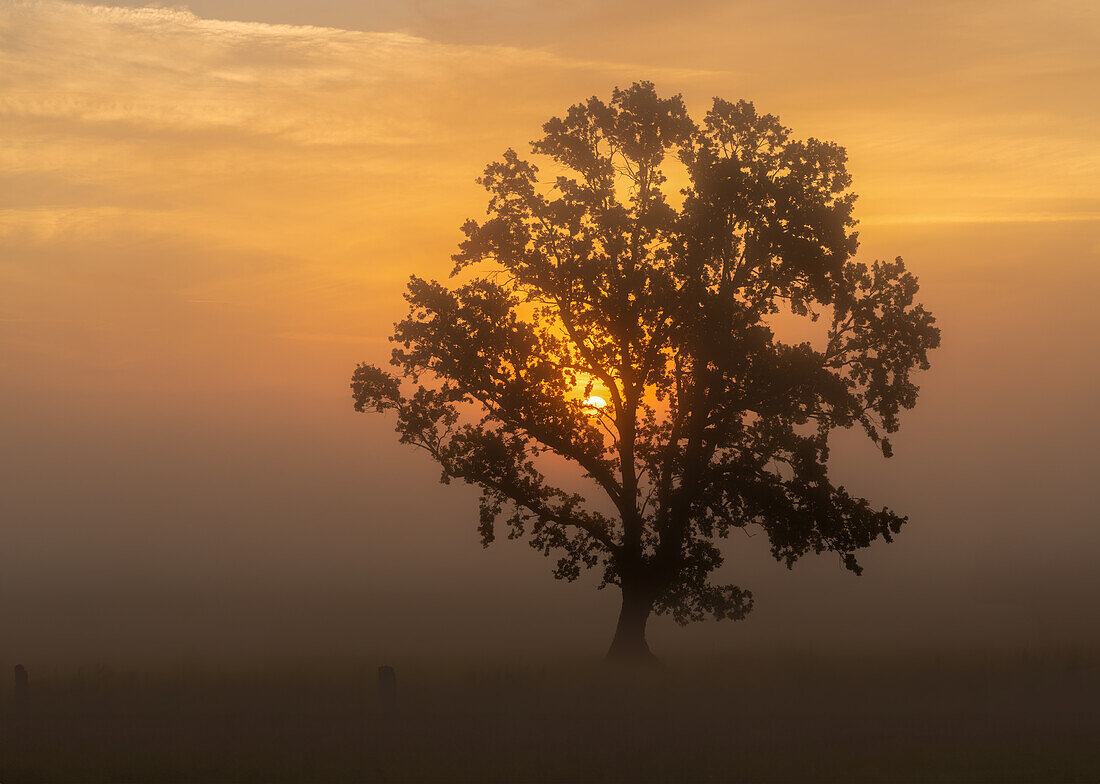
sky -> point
(207, 217)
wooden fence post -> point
(387, 691)
(22, 691)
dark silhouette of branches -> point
(712, 422)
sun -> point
(595, 401)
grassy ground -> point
(762, 719)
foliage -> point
(599, 280)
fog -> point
(185, 295)
(187, 522)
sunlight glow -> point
(595, 402)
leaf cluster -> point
(599, 279)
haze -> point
(207, 218)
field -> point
(753, 718)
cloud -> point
(171, 71)
(242, 133)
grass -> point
(751, 718)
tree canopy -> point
(665, 302)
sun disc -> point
(595, 402)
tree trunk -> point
(629, 643)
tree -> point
(705, 420)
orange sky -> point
(207, 217)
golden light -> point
(595, 402)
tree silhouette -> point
(634, 335)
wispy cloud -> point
(169, 70)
